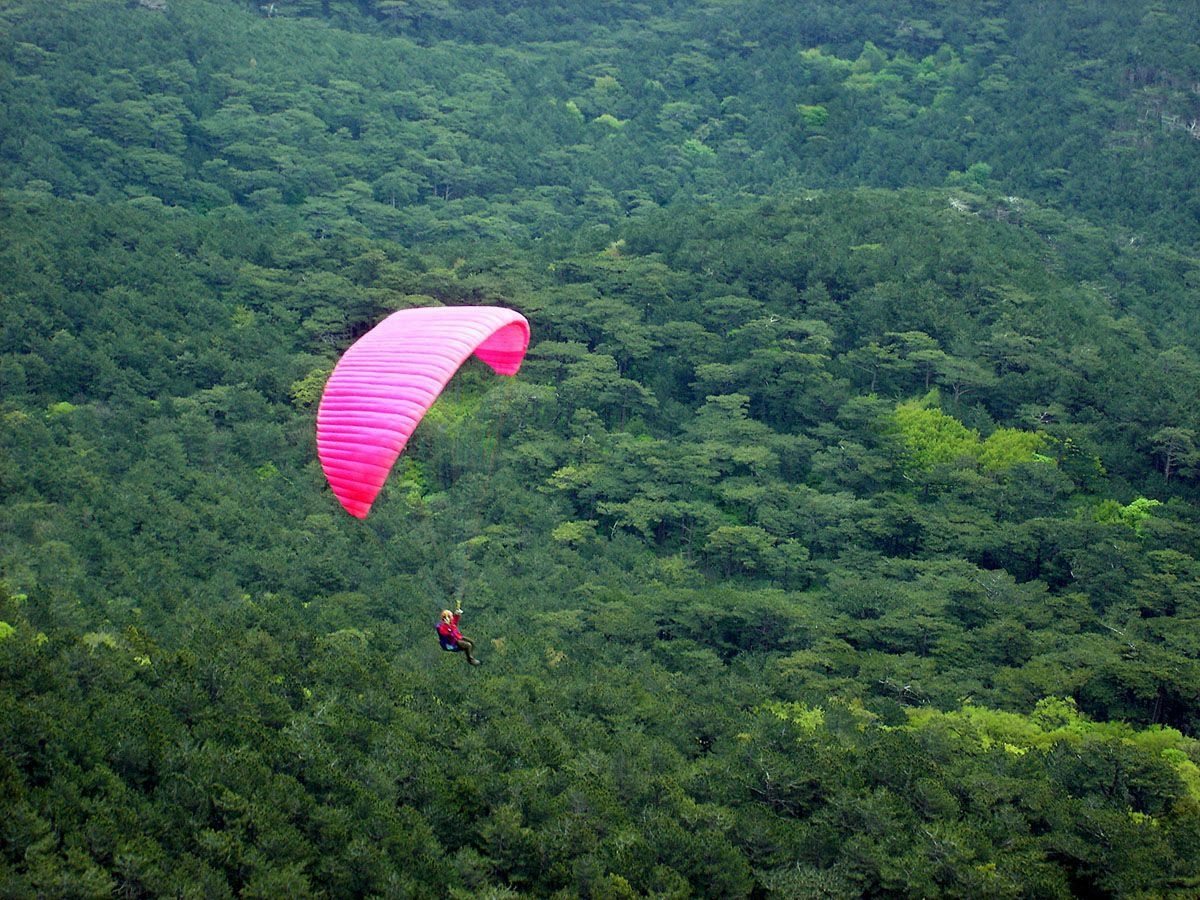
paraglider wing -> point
(388, 379)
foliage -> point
(1134, 514)
(811, 552)
(1055, 722)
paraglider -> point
(451, 639)
(389, 378)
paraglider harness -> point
(449, 644)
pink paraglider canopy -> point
(388, 379)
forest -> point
(839, 536)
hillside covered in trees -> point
(838, 537)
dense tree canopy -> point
(837, 538)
